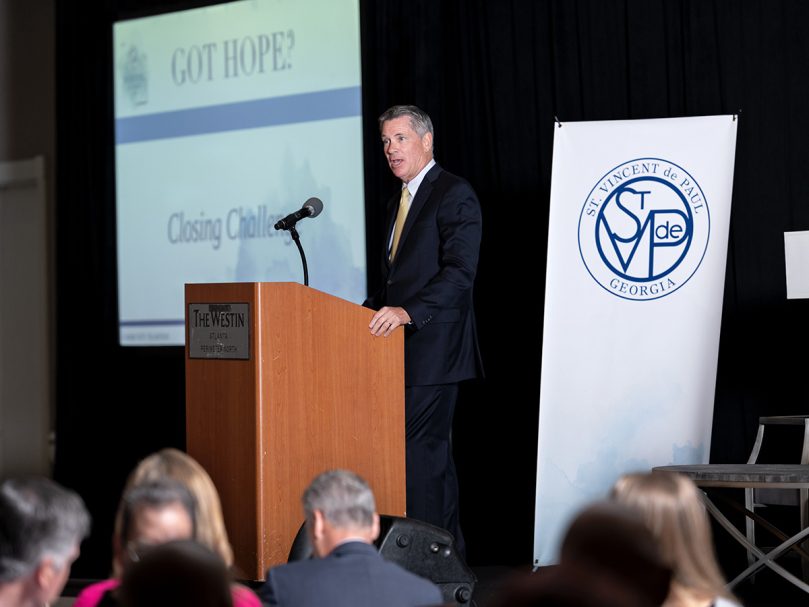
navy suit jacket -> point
(353, 575)
(432, 277)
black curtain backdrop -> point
(493, 74)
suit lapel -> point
(423, 194)
(393, 207)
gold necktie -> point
(401, 216)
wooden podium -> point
(313, 391)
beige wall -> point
(27, 83)
(27, 130)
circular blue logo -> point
(644, 229)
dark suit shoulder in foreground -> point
(353, 575)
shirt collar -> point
(413, 184)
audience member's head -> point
(608, 559)
(41, 527)
(672, 510)
(339, 505)
(174, 464)
(612, 539)
(176, 574)
(154, 513)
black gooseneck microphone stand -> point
(296, 237)
(311, 208)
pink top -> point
(243, 596)
(91, 595)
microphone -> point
(310, 208)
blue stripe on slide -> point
(151, 323)
(305, 107)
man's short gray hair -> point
(419, 120)
(343, 497)
(38, 519)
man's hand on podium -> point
(387, 319)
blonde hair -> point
(176, 465)
(672, 510)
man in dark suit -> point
(342, 523)
(433, 240)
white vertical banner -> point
(637, 244)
